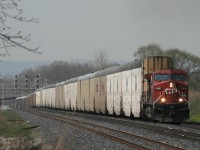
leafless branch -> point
(100, 60)
(9, 10)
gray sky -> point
(75, 29)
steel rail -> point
(162, 130)
(113, 130)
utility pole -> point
(2, 102)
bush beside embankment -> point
(194, 106)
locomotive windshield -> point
(162, 77)
(165, 77)
(179, 77)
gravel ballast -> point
(57, 135)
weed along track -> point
(121, 136)
(15, 133)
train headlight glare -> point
(180, 99)
(171, 85)
(162, 100)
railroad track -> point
(113, 134)
(180, 134)
(191, 125)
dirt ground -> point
(19, 143)
(27, 144)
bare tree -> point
(100, 60)
(9, 10)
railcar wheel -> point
(114, 114)
(132, 116)
(106, 112)
(122, 113)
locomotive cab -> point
(169, 95)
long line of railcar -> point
(148, 88)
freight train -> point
(145, 88)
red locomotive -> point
(167, 98)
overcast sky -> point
(75, 29)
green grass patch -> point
(13, 126)
(194, 106)
(195, 111)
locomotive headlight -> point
(162, 100)
(171, 85)
(180, 100)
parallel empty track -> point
(180, 134)
(113, 134)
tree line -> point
(59, 71)
(181, 59)
(29, 79)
